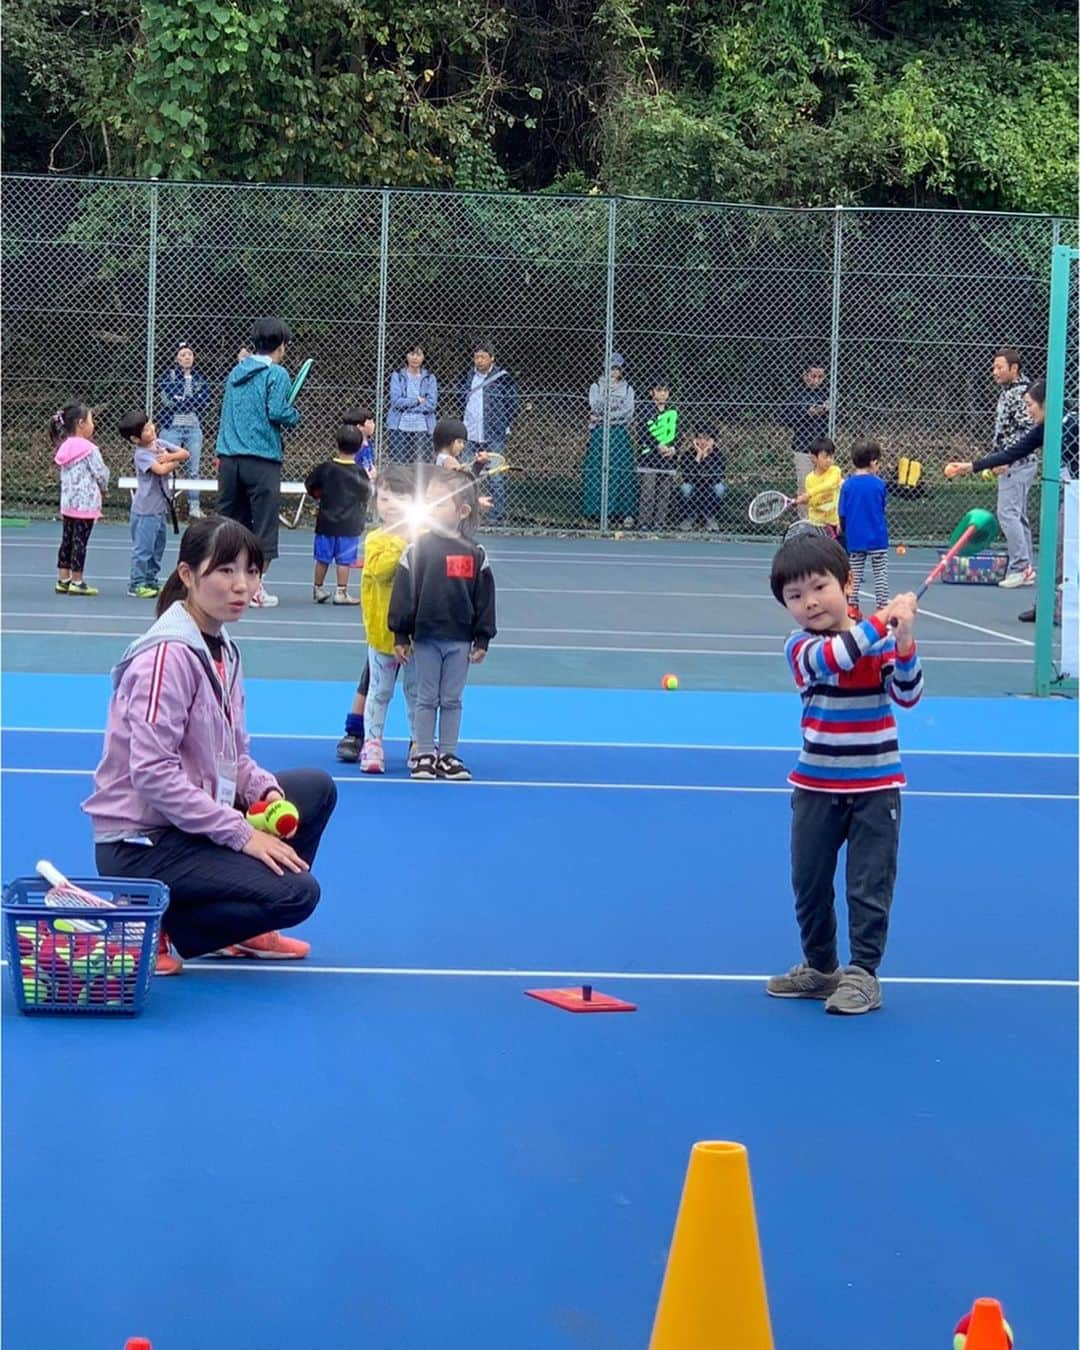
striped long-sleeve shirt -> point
(847, 682)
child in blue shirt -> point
(862, 522)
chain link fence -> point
(727, 304)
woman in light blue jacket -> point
(414, 398)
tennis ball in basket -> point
(282, 819)
(25, 936)
(37, 987)
(669, 682)
(123, 966)
(960, 1335)
(56, 953)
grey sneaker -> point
(804, 982)
(857, 992)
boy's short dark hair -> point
(660, 382)
(822, 445)
(356, 417)
(132, 423)
(447, 431)
(865, 452)
(1011, 356)
(802, 557)
(702, 429)
(349, 440)
(397, 479)
(268, 335)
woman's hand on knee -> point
(279, 856)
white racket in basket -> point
(62, 894)
(768, 506)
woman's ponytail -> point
(212, 541)
(173, 590)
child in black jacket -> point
(442, 615)
(702, 486)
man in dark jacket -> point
(807, 414)
(489, 404)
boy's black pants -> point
(821, 823)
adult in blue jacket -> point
(410, 419)
(183, 395)
(489, 403)
(254, 412)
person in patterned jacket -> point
(1011, 420)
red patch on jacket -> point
(460, 565)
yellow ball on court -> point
(669, 682)
(901, 549)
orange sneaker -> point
(268, 947)
(168, 962)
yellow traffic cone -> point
(714, 1286)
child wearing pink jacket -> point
(83, 478)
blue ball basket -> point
(78, 959)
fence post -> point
(151, 298)
(834, 322)
(1057, 346)
(1055, 232)
(380, 337)
(609, 347)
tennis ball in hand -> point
(960, 1335)
(669, 682)
(277, 817)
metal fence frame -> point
(851, 251)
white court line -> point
(250, 968)
(588, 745)
(661, 976)
(722, 562)
(592, 631)
(385, 782)
(250, 636)
(279, 583)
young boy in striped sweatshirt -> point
(848, 779)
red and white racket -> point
(62, 894)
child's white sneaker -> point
(371, 757)
(320, 594)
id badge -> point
(225, 793)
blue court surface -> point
(390, 1147)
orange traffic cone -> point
(987, 1328)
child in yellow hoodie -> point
(383, 548)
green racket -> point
(301, 379)
(974, 532)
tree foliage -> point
(959, 102)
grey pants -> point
(441, 671)
(654, 500)
(1012, 512)
(821, 823)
